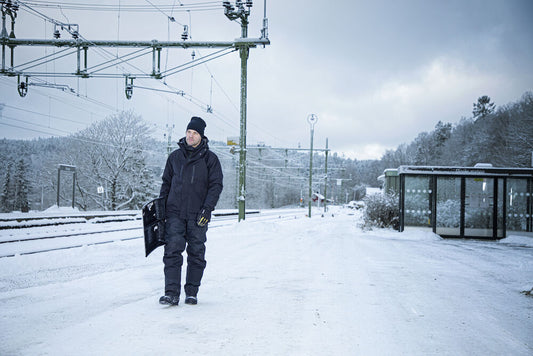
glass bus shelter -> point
(467, 202)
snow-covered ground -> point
(299, 286)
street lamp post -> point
(312, 120)
(326, 180)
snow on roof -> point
(469, 171)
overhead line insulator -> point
(22, 87)
(129, 87)
(185, 34)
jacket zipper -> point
(192, 177)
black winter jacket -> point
(192, 180)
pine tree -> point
(6, 199)
(483, 107)
(22, 186)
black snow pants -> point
(181, 233)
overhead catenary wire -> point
(27, 122)
(235, 106)
(191, 64)
(84, 140)
(231, 123)
(200, 6)
(221, 117)
(168, 34)
(98, 104)
(170, 17)
(29, 129)
(42, 114)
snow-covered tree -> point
(22, 187)
(520, 132)
(7, 197)
(112, 154)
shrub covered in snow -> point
(381, 210)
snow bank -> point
(41, 222)
(62, 209)
(518, 240)
(412, 234)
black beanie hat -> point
(197, 124)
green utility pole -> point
(239, 12)
(244, 52)
(312, 119)
(326, 179)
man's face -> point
(193, 138)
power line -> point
(202, 60)
(203, 6)
(171, 18)
(38, 113)
(83, 97)
(79, 139)
(26, 128)
(31, 123)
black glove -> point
(203, 217)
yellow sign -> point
(233, 141)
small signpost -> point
(100, 190)
(68, 168)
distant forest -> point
(119, 164)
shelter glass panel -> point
(448, 206)
(518, 199)
(500, 232)
(479, 203)
(417, 205)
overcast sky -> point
(376, 73)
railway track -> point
(113, 231)
(22, 222)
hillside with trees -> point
(119, 164)
(502, 137)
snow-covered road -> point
(290, 287)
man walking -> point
(192, 183)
